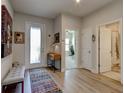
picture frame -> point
(19, 37)
(56, 38)
(6, 32)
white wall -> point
(20, 26)
(63, 22)
(106, 14)
(57, 28)
(6, 63)
(57, 24)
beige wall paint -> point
(104, 15)
(6, 63)
(19, 50)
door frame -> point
(27, 44)
(121, 45)
(76, 47)
(41, 45)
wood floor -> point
(82, 81)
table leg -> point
(3, 89)
(22, 86)
(54, 66)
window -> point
(67, 44)
(35, 45)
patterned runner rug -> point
(42, 82)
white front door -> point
(105, 49)
(86, 39)
(35, 45)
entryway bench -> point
(15, 76)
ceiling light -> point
(78, 1)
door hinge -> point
(98, 65)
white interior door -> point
(105, 49)
(86, 48)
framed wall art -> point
(19, 37)
(6, 32)
(56, 38)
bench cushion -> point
(15, 75)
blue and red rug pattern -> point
(42, 82)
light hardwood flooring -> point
(116, 68)
(81, 81)
(112, 74)
(70, 62)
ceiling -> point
(51, 8)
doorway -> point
(33, 27)
(109, 50)
(70, 46)
(36, 50)
(35, 45)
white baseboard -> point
(63, 70)
(94, 71)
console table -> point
(52, 59)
